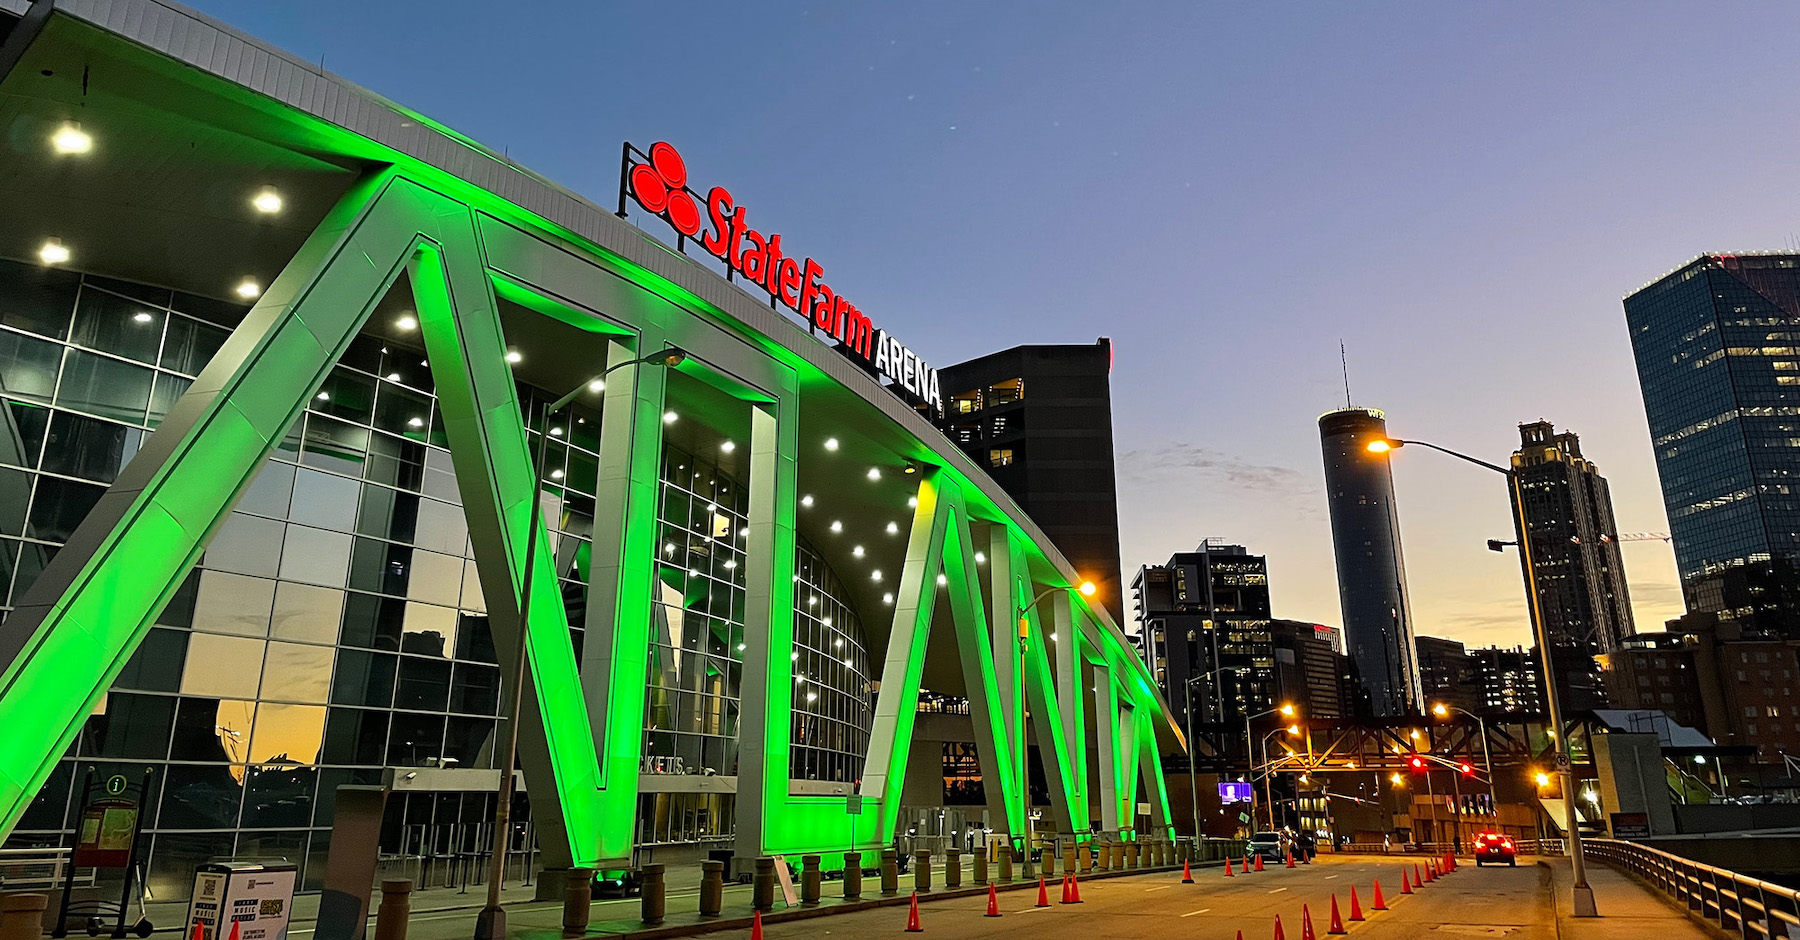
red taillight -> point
(1506, 842)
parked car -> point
(1495, 847)
(1266, 844)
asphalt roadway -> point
(1495, 901)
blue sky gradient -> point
(1461, 193)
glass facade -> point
(335, 625)
(1718, 355)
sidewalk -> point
(1628, 910)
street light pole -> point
(1583, 894)
(490, 924)
(1087, 589)
(1442, 709)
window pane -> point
(297, 672)
(430, 631)
(424, 684)
(156, 666)
(396, 462)
(28, 367)
(372, 622)
(269, 491)
(89, 447)
(334, 445)
(293, 732)
(441, 528)
(15, 494)
(167, 391)
(204, 797)
(36, 298)
(435, 578)
(233, 604)
(348, 395)
(116, 325)
(355, 736)
(227, 667)
(387, 514)
(131, 727)
(278, 796)
(246, 544)
(364, 678)
(475, 689)
(402, 412)
(325, 500)
(60, 506)
(190, 345)
(415, 740)
(105, 387)
(23, 439)
(305, 613)
(315, 556)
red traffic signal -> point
(1468, 769)
(1416, 764)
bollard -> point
(578, 899)
(1049, 857)
(1069, 858)
(1006, 863)
(922, 871)
(712, 888)
(890, 872)
(762, 887)
(952, 868)
(22, 916)
(1103, 857)
(395, 909)
(1085, 854)
(810, 879)
(1134, 855)
(852, 875)
(651, 909)
(981, 866)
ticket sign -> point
(1235, 791)
(258, 898)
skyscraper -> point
(1580, 576)
(1204, 617)
(1039, 419)
(1365, 533)
(1718, 355)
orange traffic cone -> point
(199, 931)
(1043, 894)
(1074, 890)
(1404, 887)
(1355, 905)
(912, 916)
(993, 902)
(1187, 873)
(1259, 861)
(1337, 923)
(1240, 935)
(1228, 873)
(1380, 903)
(756, 925)
(1278, 934)
(1430, 873)
(1306, 928)
(234, 930)
(1290, 859)
(1244, 864)
(1418, 879)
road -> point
(1485, 902)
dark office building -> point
(1718, 354)
(1580, 576)
(1224, 657)
(1365, 532)
(1510, 679)
(1310, 668)
(1039, 418)
(1447, 674)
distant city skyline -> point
(1225, 191)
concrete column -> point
(578, 899)
(922, 871)
(810, 878)
(762, 887)
(852, 875)
(712, 888)
(652, 904)
(395, 909)
(952, 868)
(890, 872)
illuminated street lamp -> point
(1285, 711)
(1583, 905)
(490, 924)
(1443, 710)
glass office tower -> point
(1718, 355)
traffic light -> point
(1468, 769)
(1416, 764)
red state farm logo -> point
(661, 186)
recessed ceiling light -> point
(857, 551)
(393, 376)
(728, 447)
(556, 474)
(514, 356)
(839, 642)
(831, 443)
(248, 288)
(912, 502)
(806, 500)
(669, 548)
(596, 386)
(267, 200)
(875, 575)
(53, 252)
(874, 473)
(415, 422)
(556, 432)
(812, 696)
(887, 598)
(1053, 638)
(795, 657)
(893, 528)
(142, 316)
(669, 417)
(731, 564)
(71, 139)
(847, 662)
(942, 580)
(980, 558)
(744, 532)
(837, 526)
(324, 396)
(740, 647)
(407, 322)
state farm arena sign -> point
(658, 181)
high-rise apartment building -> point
(1579, 574)
(1204, 617)
(1039, 419)
(1447, 674)
(1717, 343)
(1510, 679)
(1365, 533)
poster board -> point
(258, 898)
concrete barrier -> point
(712, 888)
(890, 872)
(952, 868)
(396, 907)
(922, 871)
(762, 886)
(652, 903)
(578, 899)
(852, 875)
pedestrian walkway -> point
(1628, 909)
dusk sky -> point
(1461, 193)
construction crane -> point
(1496, 545)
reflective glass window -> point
(441, 528)
(346, 394)
(223, 666)
(315, 556)
(297, 672)
(22, 440)
(36, 298)
(288, 732)
(59, 507)
(306, 613)
(15, 496)
(89, 448)
(387, 514)
(245, 544)
(364, 678)
(28, 367)
(156, 664)
(233, 604)
(475, 689)
(277, 795)
(190, 345)
(435, 578)
(415, 740)
(402, 411)
(105, 387)
(205, 796)
(335, 445)
(325, 500)
(430, 630)
(130, 727)
(424, 684)
(269, 491)
(372, 622)
(355, 736)
(118, 325)
(396, 462)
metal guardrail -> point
(20, 868)
(1748, 907)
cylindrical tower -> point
(1365, 532)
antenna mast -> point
(1344, 357)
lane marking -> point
(1278, 890)
(1200, 911)
(1030, 909)
(1160, 888)
(1329, 877)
